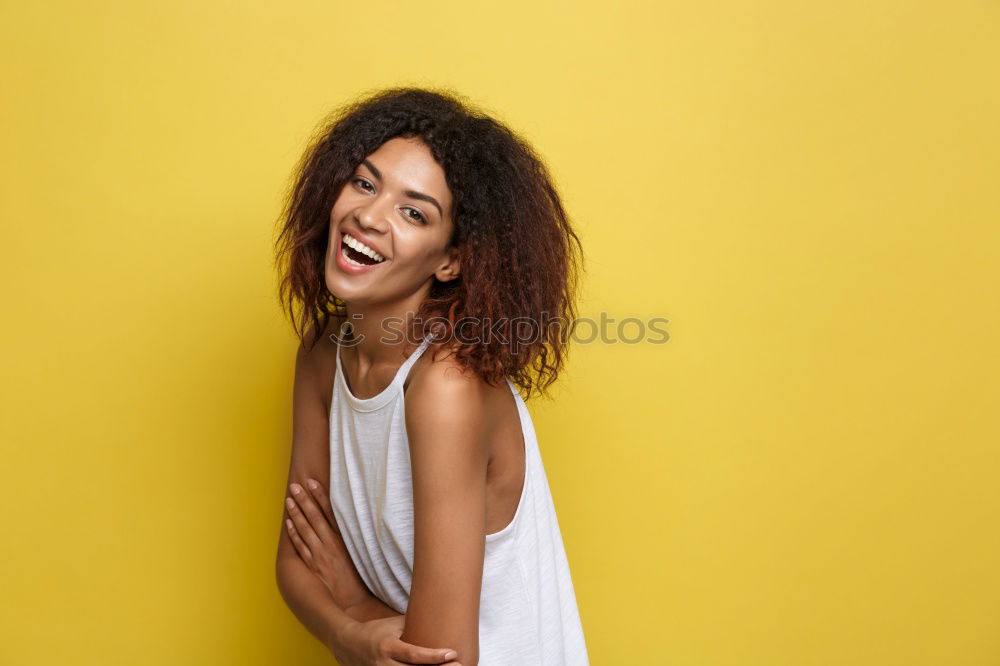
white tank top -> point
(527, 609)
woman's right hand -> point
(377, 643)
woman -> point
(425, 253)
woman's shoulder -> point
(438, 380)
(439, 371)
(316, 359)
(447, 407)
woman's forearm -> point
(310, 601)
(370, 609)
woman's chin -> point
(345, 293)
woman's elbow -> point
(286, 577)
(280, 576)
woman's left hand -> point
(313, 531)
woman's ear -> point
(451, 269)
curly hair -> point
(517, 249)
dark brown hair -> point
(517, 249)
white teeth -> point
(362, 248)
(343, 251)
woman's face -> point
(397, 203)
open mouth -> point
(358, 254)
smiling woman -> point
(420, 527)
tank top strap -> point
(412, 358)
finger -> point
(322, 498)
(415, 654)
(302, 525)
(300, 547)
(313, 513)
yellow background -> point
(805, 474)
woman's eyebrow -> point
(410, 193)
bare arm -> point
(313, 605)
(371, 608)
(446, 421)
(335, 607)
(318, 608)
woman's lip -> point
(350, 268)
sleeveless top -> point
(527, 610)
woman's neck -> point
(379, 336)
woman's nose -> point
(374, 215)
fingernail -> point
(296, 488)
(450, 654)
(290, 502)
(288, 521)
(312, 484)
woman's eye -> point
(365, 185)
(419, 215)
